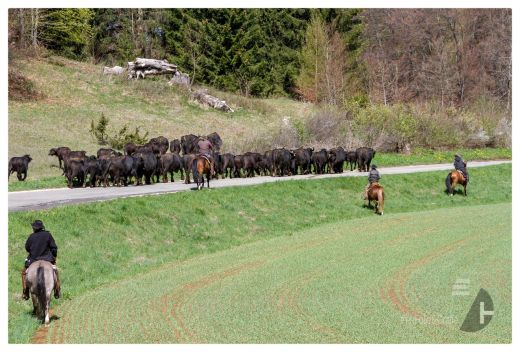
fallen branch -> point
(203, 97)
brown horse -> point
(376, 193)
(454, 178)
(200, 167)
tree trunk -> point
(21, 24)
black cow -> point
(19, 164)
(146, 165)
(121, 169)
(154, 147)
(107, 151)
(75, 170)
(175, 146)
(162, 144)
(189, 144)
(129, 148)
(217, 164)
(351, 159)
(74, 155)
(302, 160)
(252, 163)
(319, 161)
(364, 158)
(187, 160)
(60, 152)
(170, 163)
(282, 160)
(92, 170)
(239, 164)
(337, 158)
(215, 139)
(268, 161)
(227, 165)
(143, 149)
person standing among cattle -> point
(41, 246)
(460, 165)
(373, 176)
(205, 149)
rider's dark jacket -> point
(205, 147)
(373, 176)
(459, 165)
(41, 246)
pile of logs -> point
(140, 68)
(145, 67)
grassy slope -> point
(335, 283)
(76, 93)
(116, 239)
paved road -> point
(49, 198)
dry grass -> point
(77, 92)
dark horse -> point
(200, 167)
(40, 280)
(376, 193)
(454, 178)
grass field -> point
(373, 280)
(117, 240)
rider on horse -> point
(41, 246)
(205, 148)
(460, 165)
(373, 176)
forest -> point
(372, 65)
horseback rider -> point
(460, 165)
(373, 176)
(41, 246)
(205, 150)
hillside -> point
(76, 92)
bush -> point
(120, 138)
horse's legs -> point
(47, 300)
(36, 309)
(208, 176)
(465, 194)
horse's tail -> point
(40, 286)
(448, 183)
(194, 170)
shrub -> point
(120, 138)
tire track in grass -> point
(180, 298)
(284, 251)
(394, 291)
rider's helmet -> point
(374, 167)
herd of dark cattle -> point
(152, 162)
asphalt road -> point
(49, 198)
